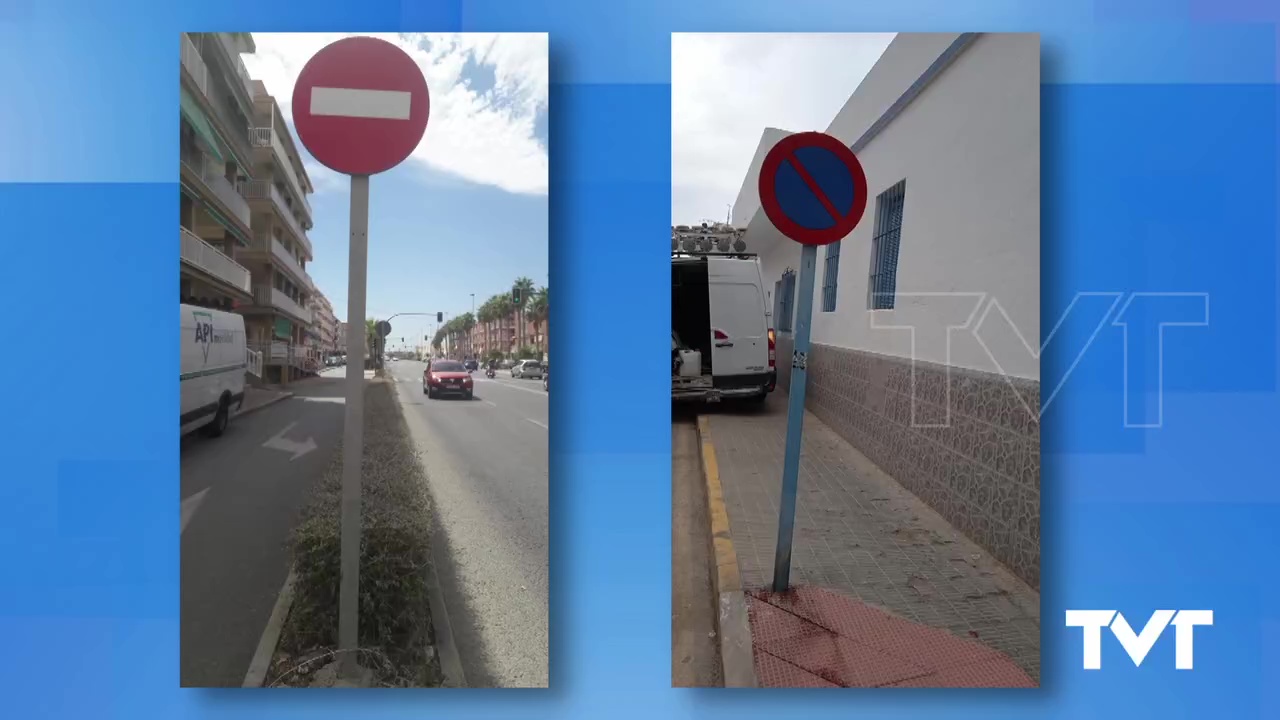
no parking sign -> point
(814, 191)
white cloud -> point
(727, 88)
(483, 137)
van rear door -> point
(739, 328)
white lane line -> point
(358, 103)
(535, 422)
(490, 404)
(339, 400)
(514, 386)
(261, 662)
(189, 507)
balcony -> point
(233, 52)
(282, 256)
(232, 126)
(272, 297)
(211, 173)
(265, 137)
(200, 254)
(194, 64)
(265, 190)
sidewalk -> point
(874, 571)
(256, 398)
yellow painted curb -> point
(728, 578)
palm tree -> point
(502, 311)
(525, 286)
(539, 313)
(467, 321)
(371, 336)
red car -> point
(446, 377)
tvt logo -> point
(1137, 645)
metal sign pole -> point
(795, 420)
(353, 431)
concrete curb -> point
(733, 627)
(261, 662)
(256, 408)
(446, 645)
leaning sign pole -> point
(814, 191)
(360, 106)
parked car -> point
(527, 369)
(446, 377)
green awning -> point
(194, 115)
(224, 222)
(284, 328)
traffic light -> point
(426, 338)
(515, 296)
(439, 317)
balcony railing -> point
(198, 253)
(230, 46)
(235, 129)
(194, 64)
(272, 297)
(212, 174)
(266, 190)
(268, 137)
(279, 252)
(304, 357)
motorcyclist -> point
(492, 368)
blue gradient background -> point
(1159, 156)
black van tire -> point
(221, 418)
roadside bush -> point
(396, 637)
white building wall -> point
(968, 147)
(748, 201)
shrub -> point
(396, 636)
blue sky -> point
(467, 212)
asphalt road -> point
(695, 649)
(486, 461)
(240, 497)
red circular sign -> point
(360, 105)
(841, 214)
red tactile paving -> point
(810, 637)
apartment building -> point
(325, 327)
(279, 319)
(947, 128)
(216, 160)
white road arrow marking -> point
(189, 507)
(280, 442)
(349, 102)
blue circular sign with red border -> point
(812, 188)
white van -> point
(721, 342)
(213, 365)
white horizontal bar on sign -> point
(348, 102)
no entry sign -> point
(360, 105)
(812, 188)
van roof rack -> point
(707, 239)
(689, 254)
